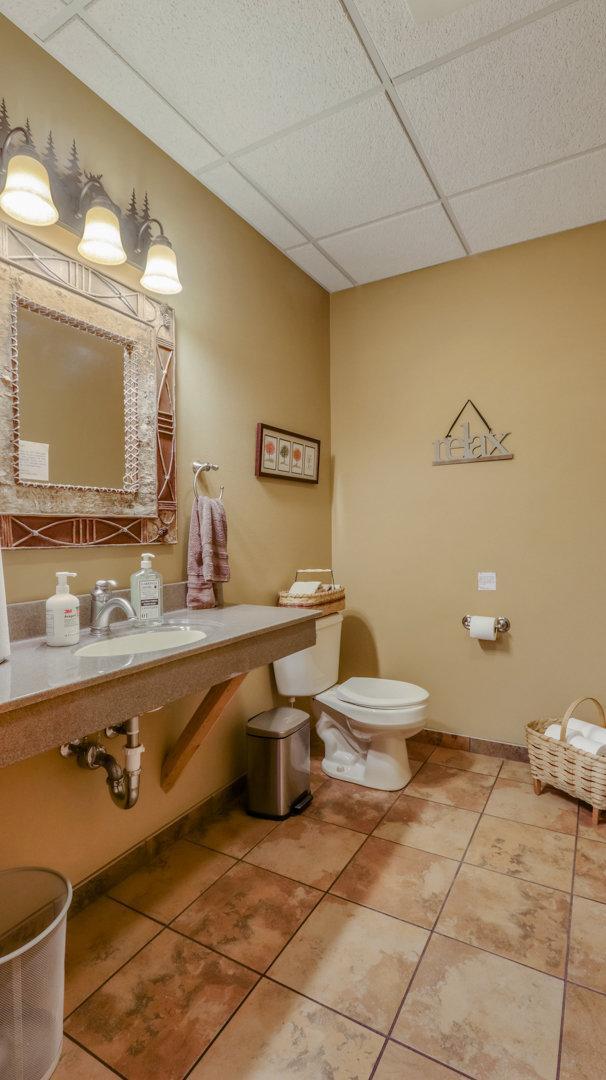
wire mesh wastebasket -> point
(33, 912)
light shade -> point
(161, 274)
(101, 241)
(27, 195)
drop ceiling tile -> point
(529, 98)
(344, 169)
(81, 51)
(32, 15)
(549, 200)
(396, 246)
(406, 44)
(240, 69)
(246, 201)
(318, 267)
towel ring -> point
(200, 467)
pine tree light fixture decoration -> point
(71, 195)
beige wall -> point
(252, 334)
(522, 331)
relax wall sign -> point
(468, 447)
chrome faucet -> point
(100, 625)
(99, 596)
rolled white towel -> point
(553, 732)
(590, 746)
(598, 734)
(578, 727)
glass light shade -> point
(27, 195)
(161, 274)
(101, 241)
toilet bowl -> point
(364, 723)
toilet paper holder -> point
(502, 623)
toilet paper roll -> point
(483, 627)
(5, 645)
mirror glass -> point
(71, 403)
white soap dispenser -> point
(146, 591)
(63, 614)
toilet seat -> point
(379, 718)
(381, 693)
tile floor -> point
(455, 929)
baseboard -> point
(511, 751)
(146, 850)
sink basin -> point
(146, 641)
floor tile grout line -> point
(422, 1054)
(104, 982)
(459, 768)
(238, 858)
(517, 821)
(491, 952)
(271, 978)
(180, 933)
(584, 986)
(378, 1059)
(162, 925)
(323, 893)
(515, 877)
(475, 866)
(220, 1030)
(431, 932)
(91, 1053)
(568, 943)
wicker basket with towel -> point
(570, 755)
(314, 594)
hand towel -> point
(207, 559)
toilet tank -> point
(310, 671)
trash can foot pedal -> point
(301, 803)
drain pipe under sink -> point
(123, 783)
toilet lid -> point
(381, 693)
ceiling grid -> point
(359, 141)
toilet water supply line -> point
(123, 783)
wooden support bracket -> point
(198, 728)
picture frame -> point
(286, 455)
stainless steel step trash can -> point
(278, 762)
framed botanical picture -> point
(287, 454)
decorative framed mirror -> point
(87, 405)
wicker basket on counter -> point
(329, 600)
(563, 766)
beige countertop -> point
(50, 695)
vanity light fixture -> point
(160, 274)
(27, 195)
(101, 240)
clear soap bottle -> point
(146, 592)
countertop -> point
(50, 695)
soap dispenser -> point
(63, 614)
(146, 591)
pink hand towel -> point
(207, 559)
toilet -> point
(363, 723)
